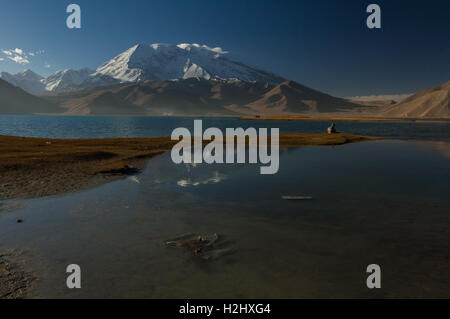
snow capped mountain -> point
(60, 81)
(26, 80)
(166, 62)
(28, 75)
(66, 79)
(157, 62)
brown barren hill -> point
(428, 103)
(292, 98)
(101, 102)
(186, 96)
(14, 100)
(203, 97)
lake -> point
(141, 126)
(383, 202)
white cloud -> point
(1, 59)
(36, 53)
(216, 178)
(19, 59)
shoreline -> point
(325, 118)
(328, 119)
(39, 167)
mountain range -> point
(190, 79)
(157, 62)
(196, 96)
(26, 80)
(66, 79)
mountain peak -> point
(28, 73)
(66, 79)
(26, 80)
(161, 61)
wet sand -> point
(36, 167)
(15, 281)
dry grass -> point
(31, 167)
(35, 167)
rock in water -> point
(204, 247)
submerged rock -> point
(205, 247)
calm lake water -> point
(383, 202)
(129, 126)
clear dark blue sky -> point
(323, 44)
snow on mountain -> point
(147, 62)
(26, 80)
(66, 79)
(166, 62)
(60, 81)
(8, 77)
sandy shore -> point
(36, 167)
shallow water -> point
(380, 202)
(140, 126)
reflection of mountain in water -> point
(216, 178)
(442, 147)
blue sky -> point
(322, 44)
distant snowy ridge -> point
(26, 80)
(66, 79)
(57, 82)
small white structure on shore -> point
(332, 129)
